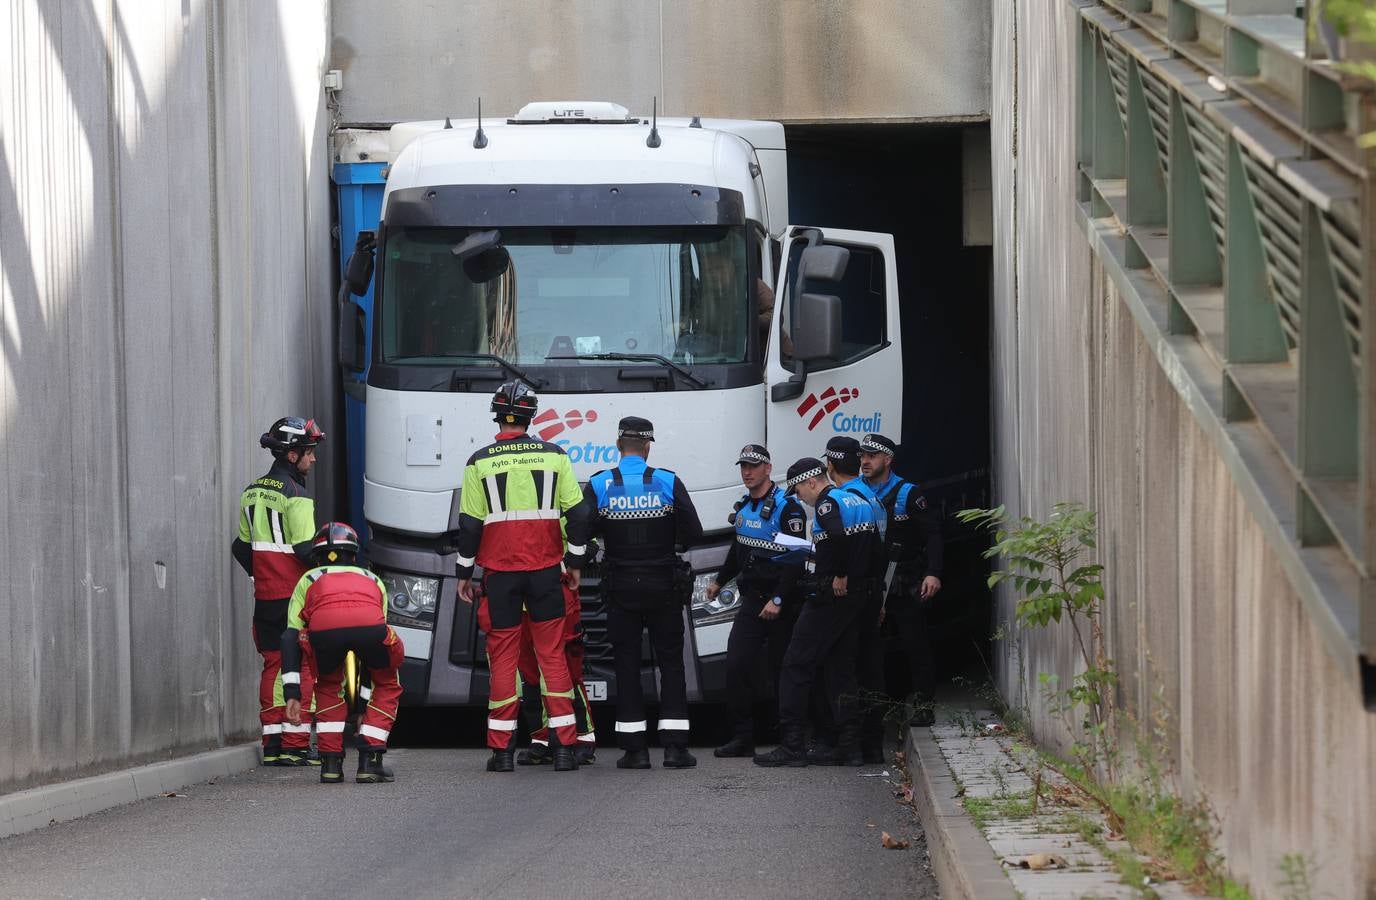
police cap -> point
(753, 455)
(802, 470)
(844, 452)
(636, 428)
(877, 443)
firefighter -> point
(765, 561)
(643, 514)
(837, 585)
(915, 552)
(339, 608)
(276, 526)
(533, 709)
(515, 491)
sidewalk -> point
(962, 762)
(42, 806)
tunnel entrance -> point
(909, 180)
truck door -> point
(834, 364)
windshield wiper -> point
(641, 357)
(536, 383)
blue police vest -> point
(758, 527)
(856, 510)
(893, 495)
(634, 490)
(857, 487)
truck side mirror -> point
(824, 262)
(358, 273)
(817, 330)
(351, 333)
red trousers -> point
(380, 651)
(573, 658)
(269, 621)
(512, 604)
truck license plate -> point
(597, 690)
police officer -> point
(276, 526)
(342, 608)
(642, 514)
(515, 491)
(840, 583)
(915, 552)
(765, 561)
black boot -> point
(564, 759)
(848, 745)
(679, 758)
(291, 756)
(501, 761)
(535, 755)
(822, 754)
(332, 768)
(736, 747)
(874, 756)
(585, 753)
(790, 751)
(272, 750)
(634, 759)
(370, 768)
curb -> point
(42, 806)
(962, 861)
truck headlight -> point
(410, 595)
(721, 609)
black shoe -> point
(585, 753)
(679, 758)
(370, 768)
(500, 761)
(783, 756)
(923, 718)
(272, 750)
(873, 756)
(332, 768)
(822, 755)
(535, 755)
(291, 757)
(634, 759)
(849, 756)
(565, 760)
(735, 748)
(312, 758)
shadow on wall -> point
(130, 218)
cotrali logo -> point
(551, 424)
(824, 403)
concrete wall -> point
(807, 61)
(1211, 640)
(164, 296)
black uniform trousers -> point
(911, 616)
(628, 616)
(823, 644)
(869, 671)
(748, 676)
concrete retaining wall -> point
(165, 295)
(1211, 640)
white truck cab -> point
(621, 266)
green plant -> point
(1354, 21)
(1046, 565)
(1297, 879)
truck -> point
(620, 265)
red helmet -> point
(334, 539)
(515, 401)
(291, 433)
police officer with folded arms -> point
(915, 551)
(837, 584)
(766, 560)
(643, 513)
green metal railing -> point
(1219, 145)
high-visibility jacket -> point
(329, 597)
(515, 491)
(277, 519)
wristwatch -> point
(777, 601)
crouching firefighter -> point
(642, 515)
(341, 608)
(837, 584)
(765, 559)
(532, 705)
(515, 491)
(276, 524)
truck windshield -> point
(677, 292)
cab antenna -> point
(480, 139)
(653, 140)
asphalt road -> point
(446, 828)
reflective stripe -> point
(270, 547)
(547, 490)
(498, 704)
(501, 724)
(467, 562)
(630, 727)
(494, 501)
(272, 729)
(304, 728)
(373, 731)
(329, 727)
(521, 515)
(291, 677)
(673, 724)
(561, 721)
(588, 738)
(578, 549)
(537, 741)
(275, 518)
(365, 692)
